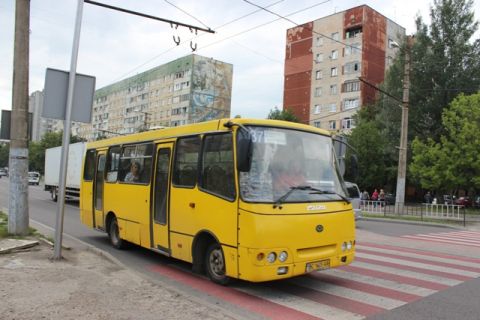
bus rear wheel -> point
(215, 264)
(114, 235)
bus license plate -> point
(318, 265)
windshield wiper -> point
(318, 191)
(286, 195)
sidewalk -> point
(85, 285)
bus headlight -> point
(344, 246)
(283, 256)
(349, 245)
(272, 256)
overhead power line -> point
(188, 14)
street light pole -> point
(402, 154)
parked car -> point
(463, 201)
(3, 173)
(447, 199)
(354, 196)
(34, 178)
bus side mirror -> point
(244, 150)
(354, 167)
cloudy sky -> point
(116, 45)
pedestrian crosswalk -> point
(382, 277)
(465, 238)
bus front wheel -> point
(114, 235)
(215, 264)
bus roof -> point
(198, 128)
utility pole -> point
(402, 154)
(18, 162)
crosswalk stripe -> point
(409, 290)
(462, 265)
(312, 308)
(344, 292)
(429, 268)
(441, 240)
(370, 287)
(449, 237)
(407, 273)
(422, 252)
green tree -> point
(454, 161)
(4, 152)
(286, 115)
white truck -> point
(52, 170)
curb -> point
(422, 223)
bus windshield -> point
(291, 166)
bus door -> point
(160, 216)
(98, 190)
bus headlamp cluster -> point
(347, 245)
(272, 257)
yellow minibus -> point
(256, 200)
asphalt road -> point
(451, 299)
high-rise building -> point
(187, 90)
(40, 125)
(325, 58)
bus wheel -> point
(114, 234)
(215, 264)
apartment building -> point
(325, 58)
(187, 90)
(41, 125)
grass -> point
(4, 229)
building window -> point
(351, 86)
(332, 124)
(319, 58)
(318, 92)
(351, 67)
(318, 74)
(316, 124)
(333, 89)
(353, 33)
(334, 55)
(353, 49)
(348, 123)
(332, 107)
(351, 103)
(335, 36)
(316, 109)
(334, 72)
(319, 41)
(391, 43)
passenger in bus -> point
(134, 174)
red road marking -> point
(397, 278)
(258, 305)
(413, 259)
(415, 269)
(365, 287)
(421, 252)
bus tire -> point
(215, 264)
(114, 234)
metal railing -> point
(421, 210)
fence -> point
(422, 210)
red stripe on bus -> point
(413, 259)
(425, 253)
(414, 269)
(258, 305)
(365, 287)
(396, 278)
(328, 299)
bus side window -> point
(113, 160)
(217, 165)
(186, 162)
(89, 169)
